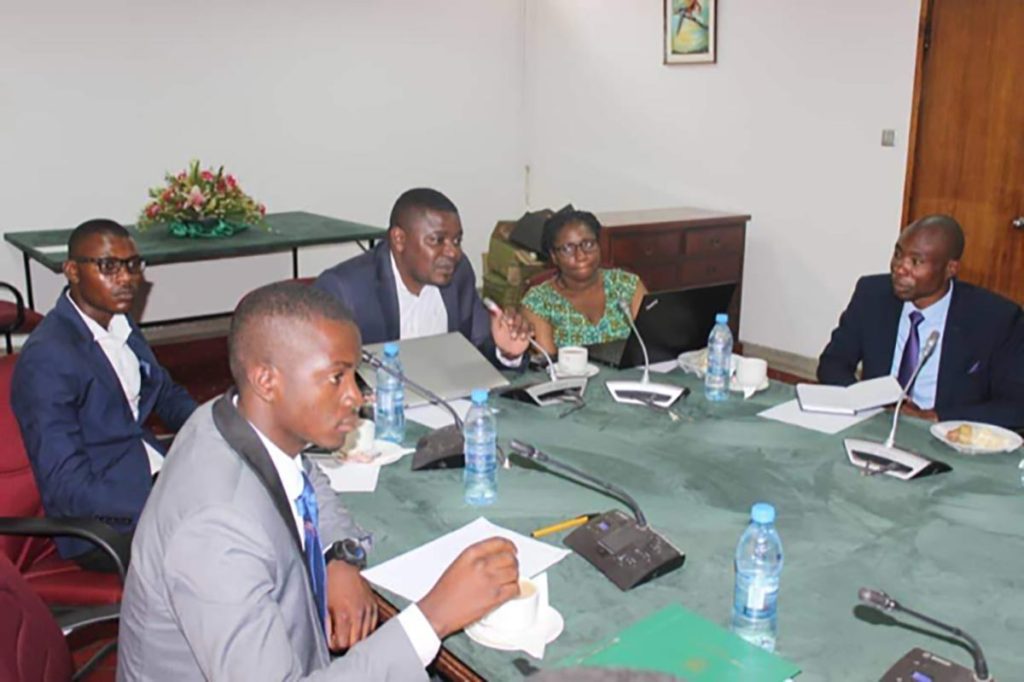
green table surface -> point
(282, 232)
(950, 545)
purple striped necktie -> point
(911, 350)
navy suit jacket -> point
(981, 377)
(366, 284)
(84, 446)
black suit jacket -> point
(981, 377)
(366, 284)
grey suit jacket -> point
(218, 588)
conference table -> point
(950, 545)
(287, 231)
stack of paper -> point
(850, 400)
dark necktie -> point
(306, 505)
(911, 350)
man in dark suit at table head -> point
(83, 387)
(245, 563)
(418, 282)
(977, 370)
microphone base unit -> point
(442, 448)
(627, 553)
(877, 458)
(556, 391)
(639, 393)
(919, 665)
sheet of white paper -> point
(352, 477)
(56, 248)
(665, 366)
(435, 417)
(414, 573)
(790, 413)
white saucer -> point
(590, 371)
(739, 388)
(550, 623)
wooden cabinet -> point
(678, 248)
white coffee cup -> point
(572, 360)
(751, 372)
(360, 439)
(517, 614)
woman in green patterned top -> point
(578, 307)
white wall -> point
(327, 106)
(786, 127)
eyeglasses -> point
(569, 250)
(111, 266)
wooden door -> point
(967, 135)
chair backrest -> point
(32, 647)
(19, 495)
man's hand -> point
(351, 606)
(483, 577)
(915, 411)
(511, 332)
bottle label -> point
(758, 594)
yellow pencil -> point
(562, 525)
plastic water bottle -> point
(389, 410)
(716, 379)
(480, 477)
(758, 568)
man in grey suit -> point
(228, 580)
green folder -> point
(677, 642)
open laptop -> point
(447, 364)
(670, 322)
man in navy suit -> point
(417, 282)
(83, 387)
(977, 370)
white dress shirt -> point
(927, 382)
(289, 469)
(114, 343)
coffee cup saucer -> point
(590, 370)
(735, 385)
(549, 626)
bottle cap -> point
(479, 396)
(722, 318)
(390, 349)
(762, 512)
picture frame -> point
(689, 34)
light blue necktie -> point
(308, 510)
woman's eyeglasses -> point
(111, 266)
(569, 250)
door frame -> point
(924, 29)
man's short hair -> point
(419, 200)
(948, 228)
(554, 225)
(104, 226)
(252, 329)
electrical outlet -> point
(888, 138)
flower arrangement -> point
(201, 203)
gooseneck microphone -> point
(441, 448)
(530, 452)
(551, 365)
(627, 312)
(624, 548)
(880, 600)
(926, 352)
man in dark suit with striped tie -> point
(977, 370)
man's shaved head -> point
(947, 228)
(270, 319)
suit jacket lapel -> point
(954, 349)
(243, 439)
(148, 386)
(98, 363)
(451, 304)
(387, 293)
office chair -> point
(15, 317)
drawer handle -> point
(716, 242)
(648, 250)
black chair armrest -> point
(80, 617)
(100, 534)
(19, 304)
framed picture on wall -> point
(689, 33)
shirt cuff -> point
(421, 633)
(507, 361)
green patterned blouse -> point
(571, 327)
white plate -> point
(590, 371)
(388, 453)
(1010, 440)
(739, 388)
(550, 622)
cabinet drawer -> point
(637, 247)
(709, 270)
(658, 277)
(713, 240)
